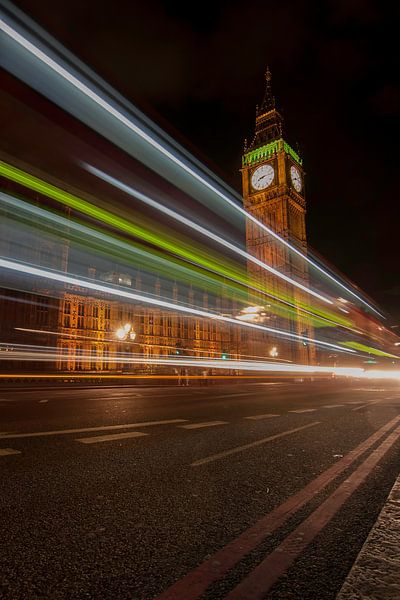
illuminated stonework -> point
(265, 152)
(87, 328)
(281, 206)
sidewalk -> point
(375, 574)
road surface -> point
(264, 490)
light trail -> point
(62, 278)
(99, 376)
(114, 340)
(370, 350)
(198, 228)
(105, 105)
(380, 374)
(181, 362)
(108, 218)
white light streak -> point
(196, 227)
(52, 64)
(9, 346)
(380, 374)
(70, 224)
(183, 362)
(62, 278)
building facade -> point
(93, 333)
(273, 192)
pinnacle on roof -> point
(269, 122)
(268, 102)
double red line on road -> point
(257, 584)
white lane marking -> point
(213, 457)
(87, 429)
(202, 425)
(111, 398)
(302, 410)
(257, 417)
(359, 407)
(365, 405)
(43, 401)
(233, 395)
(110, 438)
(8, 451)
(371, 390)
(355, 402)
(332, 405)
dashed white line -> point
(302, 410)
(365, 405)
(88, 429)
(259, 417)
(43, 401)
(8, 451)
(110, 438)
(332, 405)
(202, 425)
(214, 457)
(130, 397)
(233, 395)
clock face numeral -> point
(296, 178)
(262, 177)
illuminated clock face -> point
(262, 177)
(296, 178)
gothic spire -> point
(268, 102)
(269, 121)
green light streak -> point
(108, 218)
(368, 349)
(182, 250)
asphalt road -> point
(222, 491)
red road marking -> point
(195, 583)
(263, 577)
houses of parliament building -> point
(94, 333)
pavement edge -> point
(375, 575)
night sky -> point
(198, 70)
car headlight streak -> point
(161, 148)
(126, 226)
(196, 227)
(114, 291)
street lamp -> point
(125, 332)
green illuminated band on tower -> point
(269, 150)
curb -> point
(375, 574)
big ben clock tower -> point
(273, 191)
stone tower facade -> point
(273, 191)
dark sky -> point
(198, 69)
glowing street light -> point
(120, 333)
(274, 352)
(124, 332)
